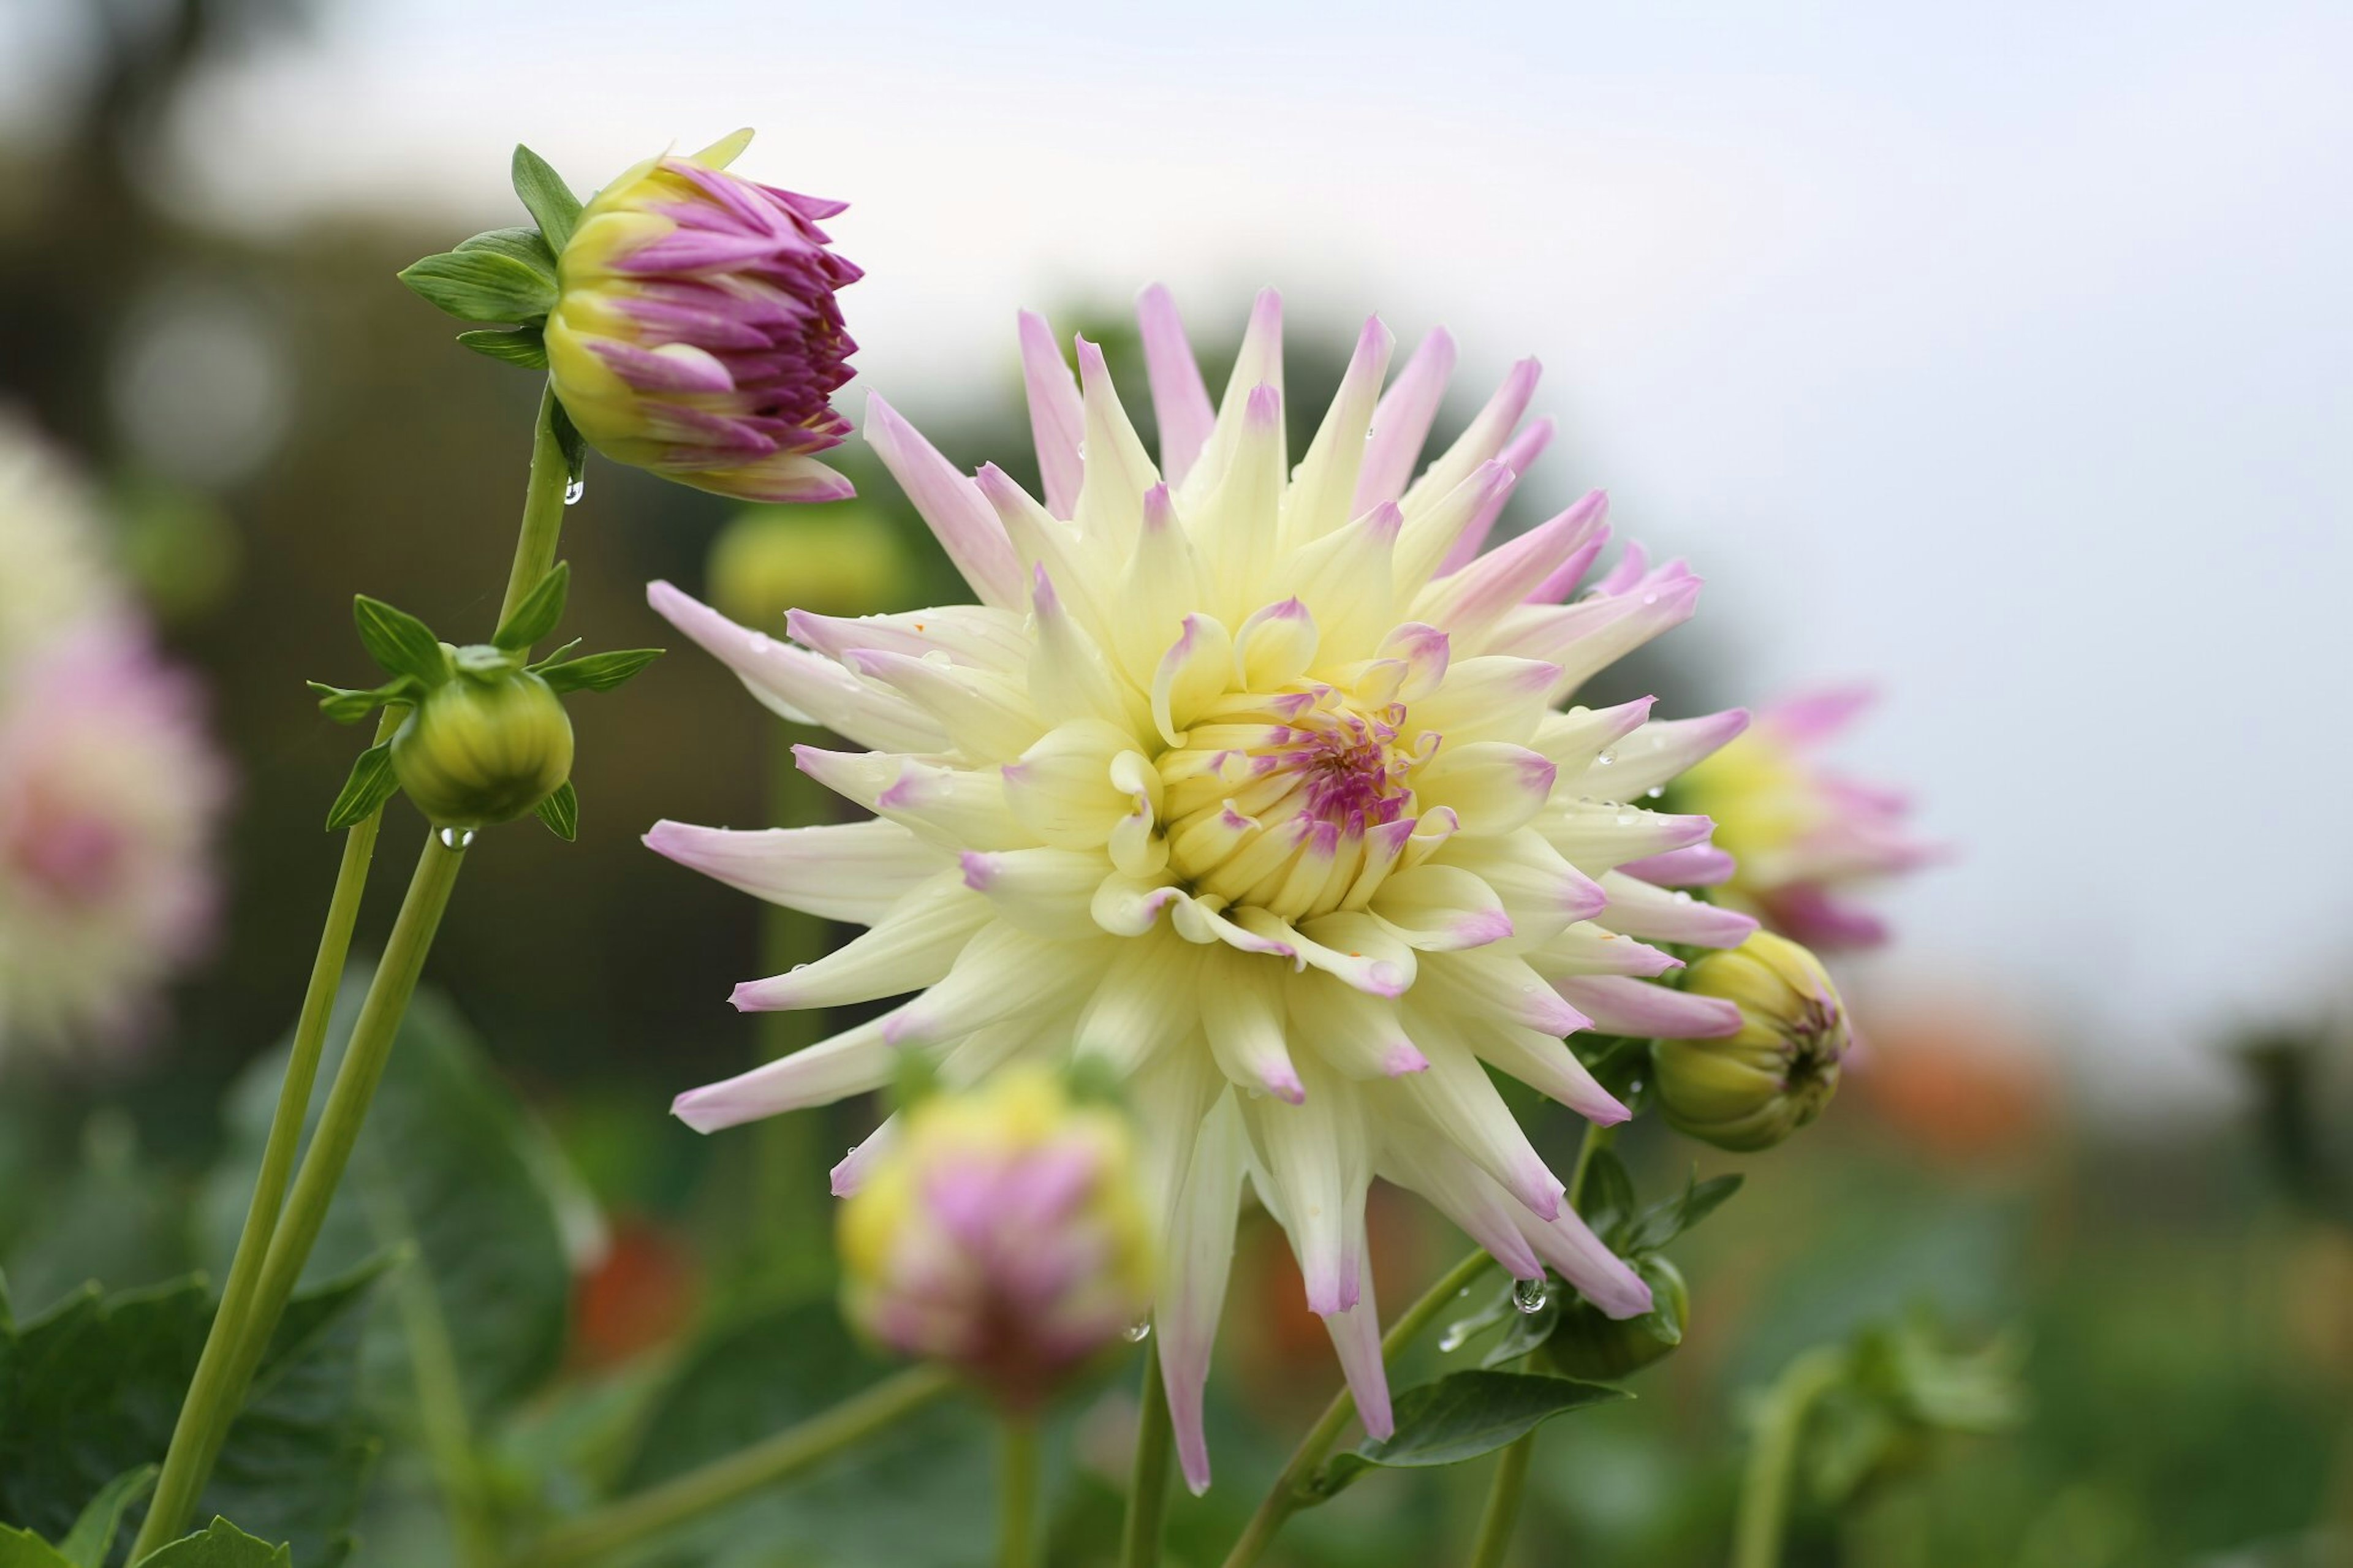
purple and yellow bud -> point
(1751, 1090)
(695, 331)
(1003, 1233)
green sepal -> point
(482, 285)
(348, 705)
(525, 346)
(560, 812)
(558, 657)
(371, 784)
(568, 439)
(1662, 1221)
(400, 642)
(1460, 1416)
(91, 1540)
(598, 672)
(523, 245)
(547, 197)
(540, 610)
(219, 1544)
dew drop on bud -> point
(573, 491)
(457, 837)
(1528, 1295)
(1137, 1332)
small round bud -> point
(1588, 1343)
(484, 746)
(1753, 1089)
(840, 560)
(1004, 1234)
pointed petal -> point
(1619, 1004)
(1542, 892)
(1458, 1100)
(853, 872)
(1597, 836)
(1056, 420)
(855, 1061)
(950, 504)
(1476, 446)
(1357, 1341)
(1465, 1195)
(1322, 492)
(1259, 363)
(1200, 1253)
(1242, 1015)
(1316, 1165)
(1656, 753)
(915, 945)
(803, 687)
(1180, 402)
(1148, 1000)
(1118, 471)
(1046, 892)
(1401, 422)
(1003, 972)
(952, 807)
(1655, 914)
(1470, 602)
(1694, 865)
(1600, 1275)
(1518, 454)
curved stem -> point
(1503, 1511)
(1291, 1489)
(1510, 1483)
(177, 1486)
(1016, 1509)
(1773, 1462)
(254, 1295)
(543, 508)
(1147, 1486)
(699, 1491)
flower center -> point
(1286, 802)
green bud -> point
(839, 559)
(485, 746)
(1749, 1090)
(1587, 1345)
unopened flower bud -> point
(695, 331)
(1589, 1344)
(1753, 1089)
(1003, 1233)
(831, 561)
(485, 745)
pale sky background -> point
(2000, 354)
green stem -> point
(1773, 1462)
(723, 1481)
(261, 1278)
(1502, 1515)
(543, 508)
(202, 1409)
(1016, 1509)
(1293, 1489)
(1503, 1511)
(1147, 1486)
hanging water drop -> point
(1453, 1339)
(457, 837)
(574, 490)
(1137, 1332)
(1528, 1296)
(1655, 791)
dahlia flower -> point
(1247, 781)
(53, 570)
(695, 331)
(1793, 838)
(108, 796)
(1004, 1235)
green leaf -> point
(1607, 1195)
(560, 812)
(547, 197)
(220, 1545)
(23, 1549)
(523, 245)
(398, 641)
(598, 672)
(1662, 1221)
(371, 784)
(91, 1540)
(880, 1502)
(525, 346)
(92, 1387)
(1526, 1330)
(558, 657)
(482, 285)
(1463, 1415)
(540, 610)
(449, 1164)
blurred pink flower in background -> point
(1796, 839)
(110, 790)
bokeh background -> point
(1996, 357)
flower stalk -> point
(1147, 1486)
(1764, 1508)
(1017, 1513)
(281, 1229)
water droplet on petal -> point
(1452, 1339)
(1650, 598)
(1655, 791)
(573, 491)
(1528, 1295)
(1605, 759)
(1137, 1332)
(457, 837)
